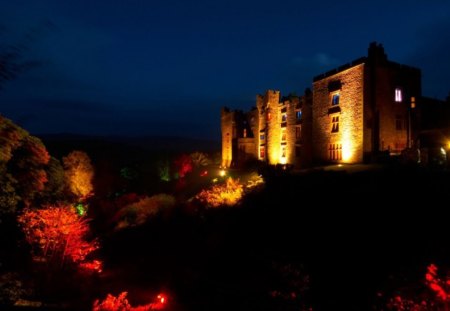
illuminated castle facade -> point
(354, 113)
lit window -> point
(283, 134)
(262, 152)
(413, 102)
(269, 116)
(335, 152)
(398, 95)
(298, 115)
(262, 137)
(283, 151)
(245, 133)
(284, 117)
(335, 100)
(335, 124)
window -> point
(262, 152)
(335, 152)
(335, 124)
(298, 132)
(298, 115)
(413, 102)
(284, 117)
(398, 95)
(269, 116)
(245, 133)
(262, 137)
(398, 122)
(297, 151)
(283, 151)
(335, 100)
(283, 134)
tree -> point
(183, 165)
(79, 173)
(57, 234)
(227, 194)
(12, 56)
(56, 183)
(23, 160)
(199, 159)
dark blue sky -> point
(166, 67)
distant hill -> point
(149, 143)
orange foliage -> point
(225, 194)
(79, 173)
(57, 233)
(120, 303)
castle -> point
(353, 114)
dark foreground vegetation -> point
(344, 239)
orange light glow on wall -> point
(347, 151)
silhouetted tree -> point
(12, 56)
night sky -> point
(166, 67)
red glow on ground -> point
(162, 298)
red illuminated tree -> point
(120, 303)
(57, 234)
(79, 173)
(183, 165)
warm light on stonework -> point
(347, 151)
(348, 144)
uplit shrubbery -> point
(435, 295)
(139, 212)
(227, 194)
(120, 303)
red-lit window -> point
(262, 152)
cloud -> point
(319, 60)
(431, 56)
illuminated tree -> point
(120, 303)
(79, 173)
(139, 212)
(29, 165)
(56, 183)
(23, 160)
(199, 159)
(57, 234)
(164, 170)
(183, 165)
(435, 296)
(227, 194)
